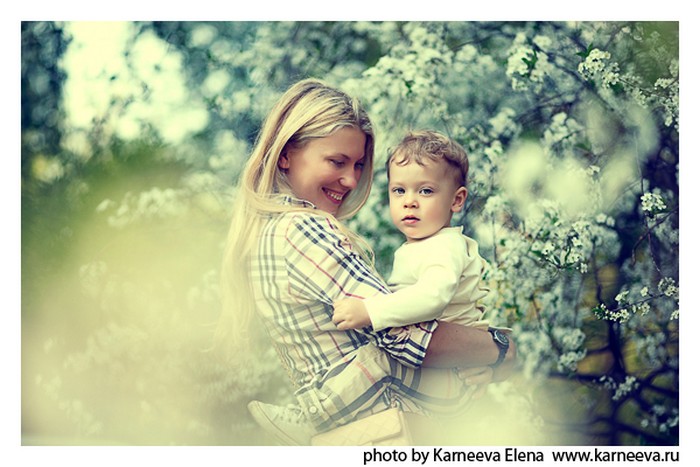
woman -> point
(289, 257)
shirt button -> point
(313, 409)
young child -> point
(437, 272)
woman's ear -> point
(283, 161)
(459, 199)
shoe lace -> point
(292, 414)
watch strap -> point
(502, 346)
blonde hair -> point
(309, 109)
(417, 146)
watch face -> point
(500, 338)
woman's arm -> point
(456, 346)
(321, 264)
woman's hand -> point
(350, 313)
(480, 377)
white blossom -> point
(667, 286)
(569, 361)
(652, 203)
(597, 66)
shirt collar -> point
(458, 228)
(290, 200)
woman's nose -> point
(349, 180)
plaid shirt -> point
(302, 265)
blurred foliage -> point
(42, 45)
(133, 135)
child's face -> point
(422, 198)
(326, 169)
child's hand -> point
(350, 313)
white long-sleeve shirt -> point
(439, 277)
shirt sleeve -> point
(439, 271)
(323, 266)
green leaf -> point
(584, 54)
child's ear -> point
(459, 199)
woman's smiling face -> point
(325, 170)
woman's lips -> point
(334, 196)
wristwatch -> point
(501, 340)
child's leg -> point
(369, 381)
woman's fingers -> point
(479, 391)
(480, 377)
(476, 376)
(465, 372)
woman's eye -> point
(336, 162)
(360, 165)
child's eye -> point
(397, 191)
(426, 191)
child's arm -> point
(350, 313)
(423, 301)
(437, 265)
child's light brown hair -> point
(417, 146)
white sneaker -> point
(287, 424)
